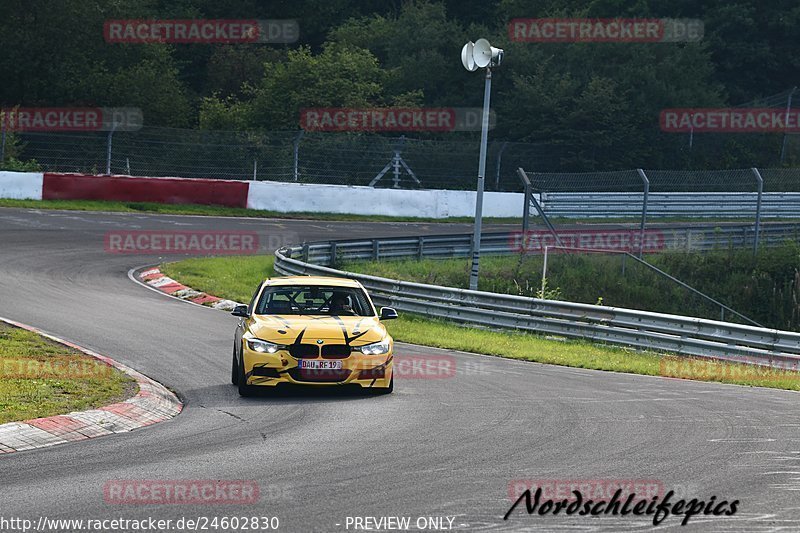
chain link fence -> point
(348, 159)
(334, 158)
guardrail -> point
(639, 329)
(669, 204)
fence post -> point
(296, 144)
(646, 193)
(108, 150)
(788, 110)
(255, 169)
(523, 176)
(3, 143)
(526, 208)
(333, 254)
(497, 167)
(760, 182)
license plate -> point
(313, 364)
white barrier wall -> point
(21, 185)
(297, 197)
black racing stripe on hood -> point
(347, 339)
(299, 338)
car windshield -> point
(314, 300)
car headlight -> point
(376, 348)
(257, 345)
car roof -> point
(322, 281)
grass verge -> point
(39, 377)
(219, 211)
(237, 277)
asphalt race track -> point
(436, 447)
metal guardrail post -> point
(421, 248)
(646, 193)
(306, 252)
(376, 249)
(332, 262)
(760, 182)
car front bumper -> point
(270, 370)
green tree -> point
(340, 76)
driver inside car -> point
(340, 304)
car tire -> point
(234, 368)
(241, 382)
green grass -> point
(41, 378)
(234, 278)
(219, 211)
(237, 277)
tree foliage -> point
(600, 101)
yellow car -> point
(316, 331)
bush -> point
(20, 166)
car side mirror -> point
(388, 313)
(240, 310)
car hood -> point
(289, 329)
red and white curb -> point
(157, 280)
(153, 403)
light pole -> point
(477, 55)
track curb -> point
(152, 403)
(154, 279)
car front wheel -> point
(244, 388)
(234, 368)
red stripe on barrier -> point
(134, 189)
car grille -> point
(304, 351)
(335, 351)
(312, 351)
